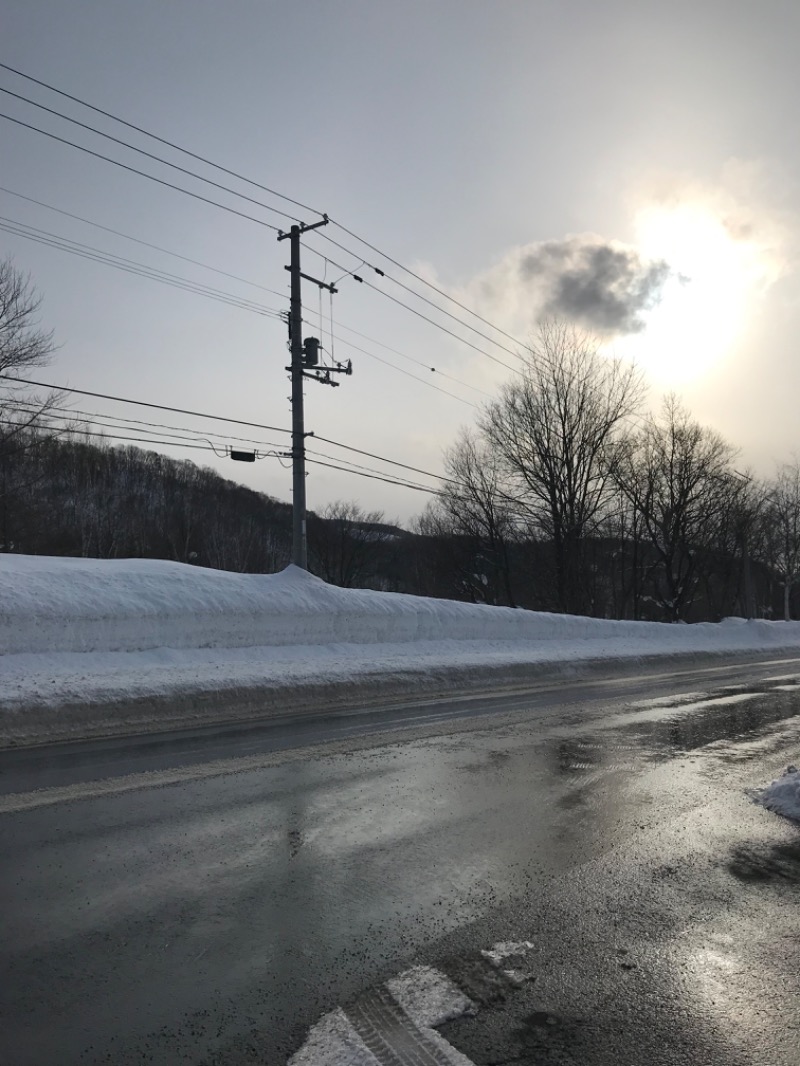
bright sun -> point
(715, 276)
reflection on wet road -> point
(215, 919)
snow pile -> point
(783, 795)
(98, 605)
(428, 997)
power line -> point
(145, 244)
(141, 173)
(143, 403)
(149, 155)
(131, 266)
(28, 405)
(408, 374)
(425, 281)
(162, 140)
(431, 303)
(394, 462)
(219, 418)
(181, 433)
(403, 355)
(375, 477)
(138, 440)
(425, 318)
(209, 448)
(69, 415)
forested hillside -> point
(72, 497)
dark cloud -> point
(603, 286)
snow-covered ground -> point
(86, 632)
(783, 795)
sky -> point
(628, 165)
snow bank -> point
(783, 795)
(92, 605)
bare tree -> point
(783, 537)
(475, 508)
(556, 432)
(22, 343)
(678, 476)
(23, 346)
(344, 543)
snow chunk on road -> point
(783, 795)
(333, 1042)
(428, 997)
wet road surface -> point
(214, 918)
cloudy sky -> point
(626, 164)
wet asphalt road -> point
(211, 915)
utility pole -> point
(305, 354)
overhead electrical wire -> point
(383, 459)
(131, 266)
(161, 140)
(425, 318)
(246, 281)
(402, 355)
(201, 289)
(137, 440)
(408, 374)
(64, 420)
(111, 421)
(141, 173)
(145, 244)
(142, 403)
(218, 418)
(374, 477)
(210, 448)
(419, 296)
(138, 422)
(425, 281)
(148, 155)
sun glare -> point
(715, 274)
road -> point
(205, 897)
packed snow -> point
(427, 998)
(88, 632)
(783, 795)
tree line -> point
(617, 511)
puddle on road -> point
(655, 731)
